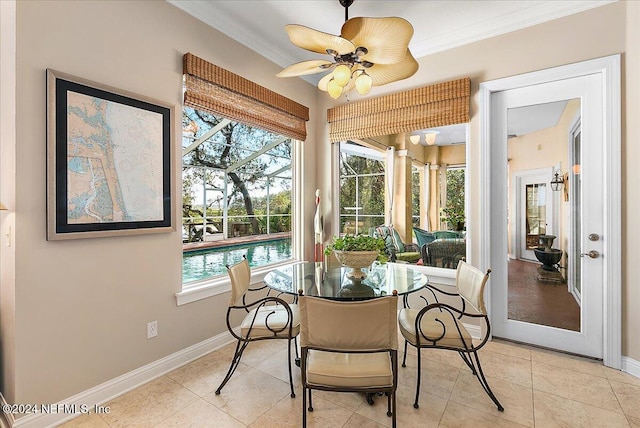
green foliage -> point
(358, 243)
(453, 213)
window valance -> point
(441, 104)
(219, 91)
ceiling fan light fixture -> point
(379, 45)
(363, 83)
(342, 74)
(334, 89)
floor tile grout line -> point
(582, 402)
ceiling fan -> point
(368, 52)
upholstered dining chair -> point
(265, 318)
(349, 346)
(440, 325)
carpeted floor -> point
(538, 302)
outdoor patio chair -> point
(266, 318)
(447, 234)
(444, 253)
(349, 347)
(423, 236)
(441, 325)
(396, 249)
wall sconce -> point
(557, 182)
(2, 207)
(430, 137)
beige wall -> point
(81, 306)
(563, 41)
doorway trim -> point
(609, 68)
(518, 212)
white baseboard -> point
(474, 330)
(631, 366)
(115, 387)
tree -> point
(233, 143)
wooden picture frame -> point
(109, 161)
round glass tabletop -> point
(314, 279)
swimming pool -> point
(205, 263)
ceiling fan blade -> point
(386, 39)
(306, 67)
(381, 74)
(317, 41)
(322, 84)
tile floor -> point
(538, 388)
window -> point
(415, 196)
(453, 213)
(362, 188)
(236, 195)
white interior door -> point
(585, 218)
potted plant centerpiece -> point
(357, 252)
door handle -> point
(593, 254)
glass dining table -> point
(315, 279)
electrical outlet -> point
(152, 329)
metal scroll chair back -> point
(349, 347)
(265, 318)
(442, 325)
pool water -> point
(202, 264)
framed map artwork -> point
(109, 161)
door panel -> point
(549, 147)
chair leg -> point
(293, 394)
(310, 402)
(415, 404)
(468, 362)
(235, 361)
(484, 383)
(304, 407)
(393, 407)
(404, 358)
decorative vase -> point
(356, 260)
(549, 257)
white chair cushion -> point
(349, 370)
(433, 329)
(277, 321)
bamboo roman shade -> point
(436, 105)
(218, 91)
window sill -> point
(438, 275)
(206, 288)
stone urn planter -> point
(356, 260)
